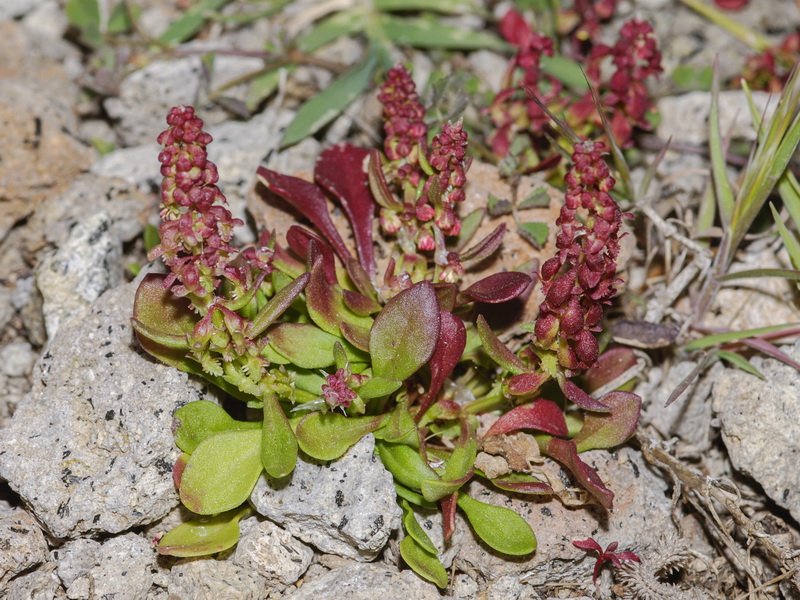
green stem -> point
(744, 34)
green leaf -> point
(748, 273)
(327, 436)
(330, 102)
(191, 22)
(424, 563)
(222, 472)
(734, 336)
(469, 227)
(151, 237)
(405, 463)
(206, 535)
(429, 32)
(413, 497)
(308, 347)
(689, 78)
(535, 232)
(538, 198)
(789, 239)
(722, 186)
(346, 22)
(376, 387)
(199, 420)
(501, 528)
(405, 332)
(497, 350)
(740, 362)
(415, 530)
(277, 305)
(85, 15)
(455, 7)
(609, 429)
(119, 21)
(567, 71)
(278, 442)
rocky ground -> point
(709, 484)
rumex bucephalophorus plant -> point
(328, 349)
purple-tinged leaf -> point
(449, 506)
(358, 336)
(588, 544)
(360, 304)
(522, 483)
(282, 260)
(405, 332)
(609, 365)
(564, 451)
(434, 490)
(541, 415)
(525, 384)
(361, 278)
(497, 350)
(307, 245)
(327, 309)
(276, 306)
(446, 295)
(449, 348)
(771, 350)
(310, 201)
(341, 170)
(606, 430)
(497, 288)
(486, 246)
(581, 398)
(377, 183)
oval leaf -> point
(278, 442)
(423, 563)
(415, 530)
(497, 350)
(606, 430)
(610, 364)
(499, 287)
(203, 536)
(405, 332)
(501, 528)
(542, 415)
(405, 463)
(327, 436)
(200, 420)
(308, 347)
(222, 472)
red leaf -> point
(446, 295)
(310, 201)
(564, 451)
(525, 383)
(486, 246)
(542, 415)
(609, 365)
(581, 398)
(341, 170)
(514, 28)
(360, 304)
(499, 287)
(446, 354)
(449, 515)
(306, 245)
(523, 487)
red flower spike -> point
(608, 555)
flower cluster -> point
(585, 19)
(579, 279)
(636, 58)
(770, 70)
(430, 178)
(196, 227)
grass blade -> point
(785, 273)
(191, 21)
(740, 362)
(734, 336)
(430, 33)
(722, 187)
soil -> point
(66, 102)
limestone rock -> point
(209, 579)
(345, 507)
(90, 448)
(273, 553)
(22, 544)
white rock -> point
(761, 425)
(273, 553)
(22, 544)
(16, 359)
(209, 579)
(146, 96)
(366, 581)
(345, 507)
(10, 9)
(75, 275)
(119, 568)
(41, 584)
(90, 448)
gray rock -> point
(365, 581)
(209, 579)
(41, 584)
(119, 568)
(90, 448)
(16, 359)
(684, 118)
(11, 9)
(273, 553)
(75, 275)
(345, 507)
(22, 543)
(641, 509)
(761, 425)
(137, 166)
(146, 95)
